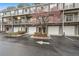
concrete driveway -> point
(23, 47)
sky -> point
(4, 5)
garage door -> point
(69, 30)
(53, 30)
(16, 29)
(32, 30)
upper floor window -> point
(25, 11)
(12, 12)
(20, 11)
(16, 12)
(76, 5)
(60, 6)
(42, 7)
(68, 5)
(53, 6)
(5, 13)
(45, 8)
(1, 14)
(38, 9)
(33, 9)
(69, 17)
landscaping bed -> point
(15, 34)
(40, 36)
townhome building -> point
(21, 19)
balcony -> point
(76, 5)
(26, 11)
(70, 6)
(45, 8)
(71, 18)
(6, 14)
(60, 6)
(1, 14)
(52, 6)
(7, 23)
(20, 12)
(32, 10)
(15, 12)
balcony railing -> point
(76, 5)
(7, 23)
(69, 6)
(43, 8)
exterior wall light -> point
(18, 17)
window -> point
(12, 12)
(26, 11)
(60, 6)
(45, 8)
(20, 11)
(1, 14)
(42, 8)
(53, 5)
(76, 5)
(26, 29)
(33, 9)
(69, 17)
(76, 17)
(16, 12)
(38, 9)
(5, 13)
(68, 5)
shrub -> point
(16, 33)
(13, 33)
(21, 32)
(39, 34)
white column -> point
(63, 21)
(78, 17)
(73, 18)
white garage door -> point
(32, 30)
(69, 30)
(53, 30)
(16, 29)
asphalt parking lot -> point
(60, 46)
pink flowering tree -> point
(43, 18)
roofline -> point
(22, 8)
